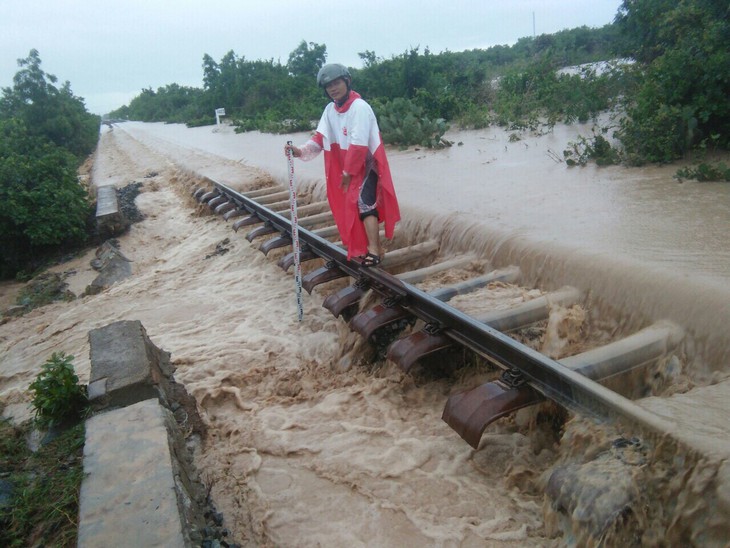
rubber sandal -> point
(370, 259)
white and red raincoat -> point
(350, 138)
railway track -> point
(528, 377)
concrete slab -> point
(129, 495)
(110, 220)
(126, 367)
(107, 204)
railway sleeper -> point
(420, 274)
(261, 192)
(285, 238)
(238, 212)
(280, 207)
(263, 230)
(251, 220)
(389, 311)
(273, 198)
(470, 412)
(307, 210)
(346, 297)
(289, 259)
(286, 262)
(218, 200)
(226, 207)
(318, 219)
(208, 196)
(327, 273)
(393, 258)
(408, 350)
(275, 243)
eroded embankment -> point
(311, 441)
(599, 510)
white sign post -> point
(218, 113)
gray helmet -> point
(330, 73)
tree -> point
(683, 75)
(49, 112)
(45, 133)
(307, 59)
(42, 203)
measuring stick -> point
(295, 233)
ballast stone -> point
(112, 265)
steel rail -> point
(552, 379)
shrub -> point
(596, 148)
(704, 172)
(42, 204)
(403, 123)
(57, 395)
(475, 117)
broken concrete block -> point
(126, 367)
(136, 490)
(109, 218)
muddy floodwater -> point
(310, 443)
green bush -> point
(659, 136)
(42, 505)
(704, 172)
(47, 112)
(682, 77)
(58, 397)
(45, 134)
(596, 148)
(475, 117)
(42, 204)
(403, 123)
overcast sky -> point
(110, 50)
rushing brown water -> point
(308, 444)
(637, 238)
(519, 189)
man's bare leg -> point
(372, 232)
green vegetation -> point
(39, 495)
(671, 97)
(404, 123)
(45, 134)
(596, 148)
(681, 78)
(459, 87)
(39, 491)
(704, 172)
(58, 398)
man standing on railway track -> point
(359, 185)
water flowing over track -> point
(528, 377)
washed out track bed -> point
(429, 312)
(415, 308)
